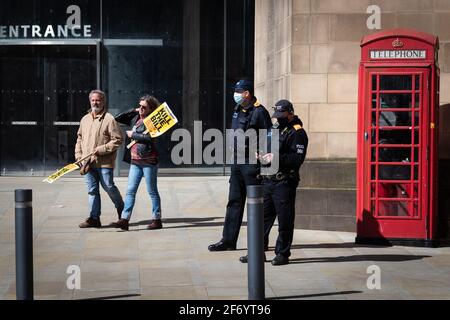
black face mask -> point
(282, 122)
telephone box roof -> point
(406, 33)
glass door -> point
(21, 110)
(70, 74)
(43, 95)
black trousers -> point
(242, 175)
(279, 200)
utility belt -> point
(279, 176)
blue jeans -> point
(105, 177)
(134, 179)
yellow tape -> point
(58, 174)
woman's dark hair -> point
(152, 102)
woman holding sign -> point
(143, 159)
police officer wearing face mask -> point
(280, 188)
(248, 114)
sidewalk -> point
(174, 263)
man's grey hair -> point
(100, 92)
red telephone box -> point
(397, 138)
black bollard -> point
(24, 244)
(255, 243)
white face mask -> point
(238, 98)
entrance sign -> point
(397, 139)
(66, 25)
(49, 31)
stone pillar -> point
(272, 50)
(191, 63)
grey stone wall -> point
(326, 197)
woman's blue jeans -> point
(105, 177)
(135, 175)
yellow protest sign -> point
(58, 174)
(158, 122)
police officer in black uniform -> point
(248, 114)
(280, 188)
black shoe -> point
(91, 223)
(244, 259)
(121, 223)
(280, 260)
(155, 225)
(221, 246)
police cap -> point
(245, 85)
(281, 107)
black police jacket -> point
(293, 145)
(145, 143)
(253, 117)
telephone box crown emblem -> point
(397, 43)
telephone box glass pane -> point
(417, 119)
(387, 119)
(395, 100)
(374, 135)
(394, 208)
(416, 191)
(417, 81)
(374, 82)
(395, 136)
(394, 172)
(389, 82)
(372, 172)
(402, 154)
(395, 119)
(415, 208)
(417, 101)
(374, 101)
(394, 190)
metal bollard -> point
(255, 243)
(24, 244)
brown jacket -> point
(102, 132)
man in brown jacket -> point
(99, 133)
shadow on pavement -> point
(188, 222)
(315, 295)
(191, 222)
(114, 297)
(374, 257)
(343, 245)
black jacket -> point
(293, 144)
(254, 117)
(145, 144)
